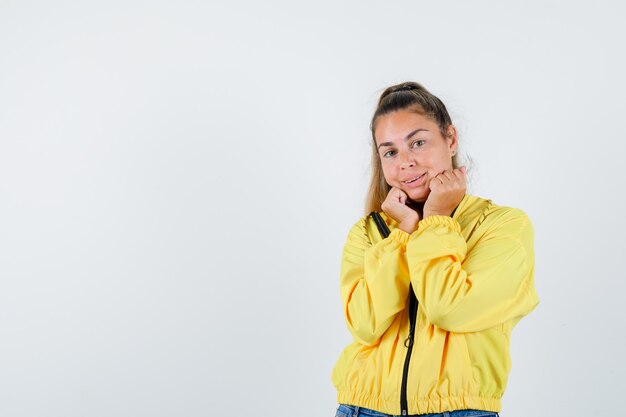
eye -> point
(388, 154)
(418, 143)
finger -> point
(446, 177)
(394, 191)
(459, 174)
(401, 196)
(392, 194)
(396, 195)
(435, 182)
(449, 175)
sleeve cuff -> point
(439, 221)
(400, 236)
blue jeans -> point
(353, 411)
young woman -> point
(433, 280)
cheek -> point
(445, 165)
(435, 165)
(389, 173)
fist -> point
(446, 192)
(395, 207)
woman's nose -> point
(407, 162)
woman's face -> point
(413, 151)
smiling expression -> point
(412, 151)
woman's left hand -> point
(446, 192)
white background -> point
(177, 180)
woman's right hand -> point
(395, 207)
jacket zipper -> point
(413, 304)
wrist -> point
(408, 226)
(436, 213)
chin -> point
(418, 198)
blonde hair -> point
(407, 95)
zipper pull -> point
(408, 342)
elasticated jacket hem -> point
(426, 406)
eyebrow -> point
(406, 138)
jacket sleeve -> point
(470, 292)
(374, 282)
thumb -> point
(401, 197)
(463, 170)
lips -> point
(411, 180)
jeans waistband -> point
(355, 411)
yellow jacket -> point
(472, 278)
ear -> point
(451, 139)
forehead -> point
(394, 126)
